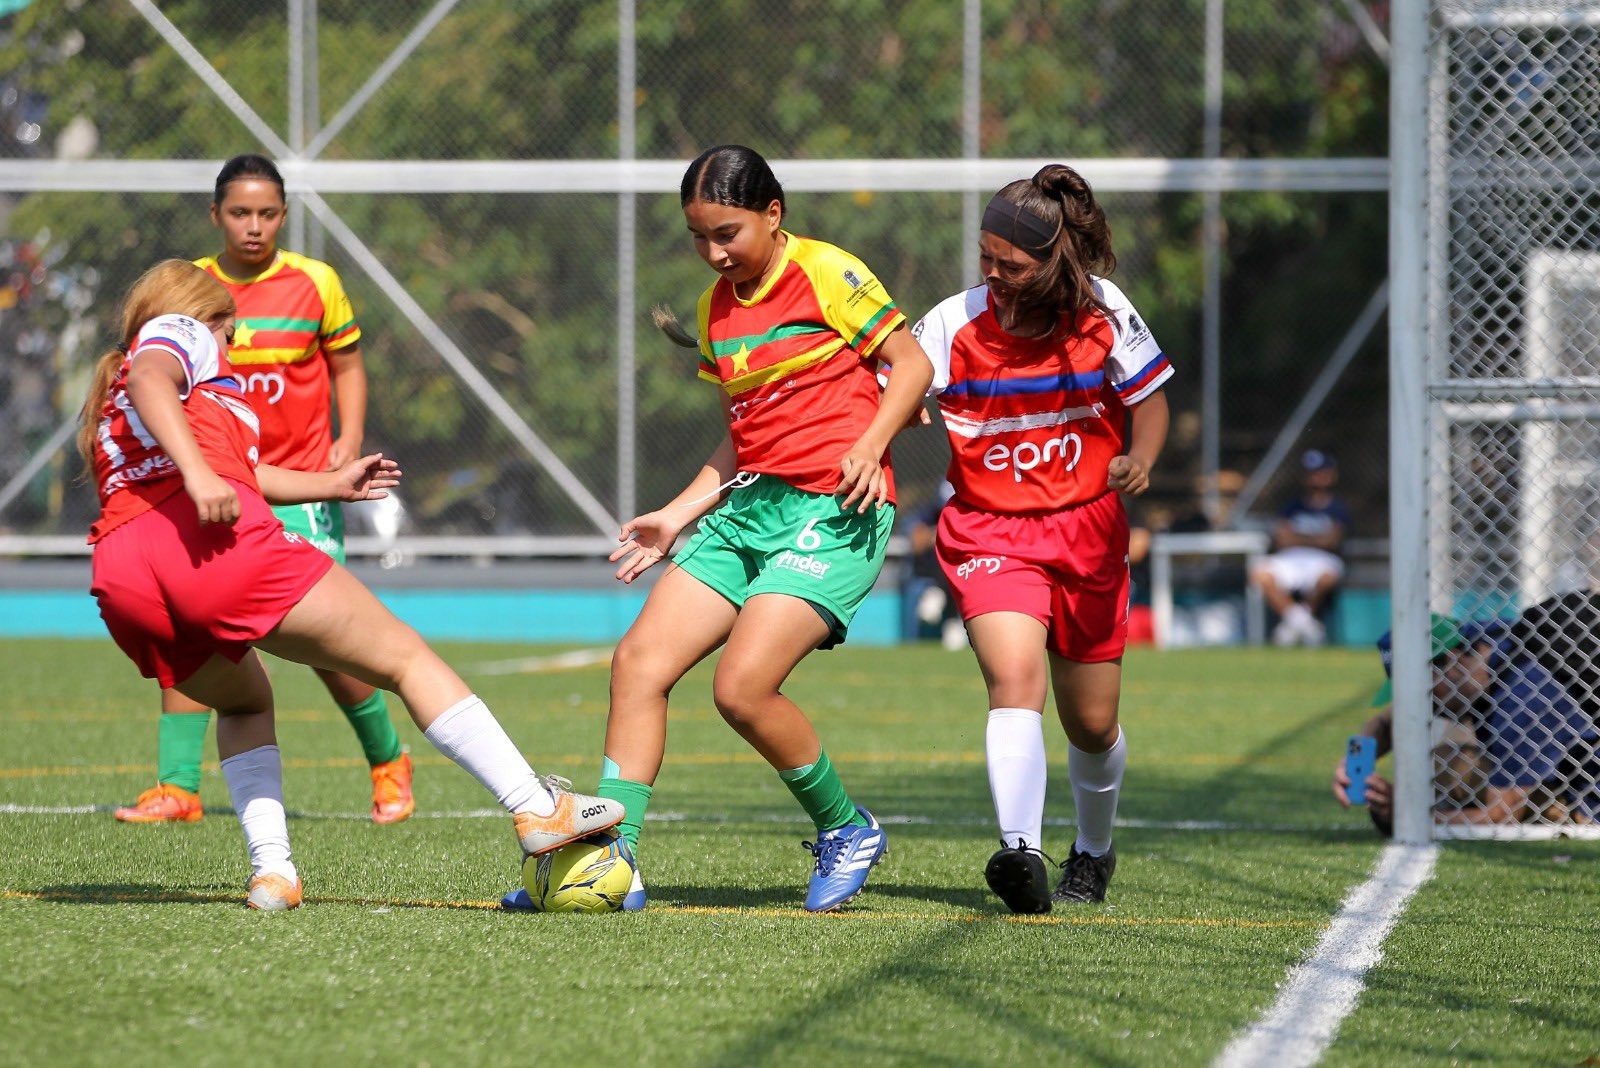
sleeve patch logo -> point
(852, 279)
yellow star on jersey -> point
(242, 333)
(741, 360)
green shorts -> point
(322, 524)
(769, 537)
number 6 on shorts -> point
(808, 540)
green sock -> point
(635, 797)
(181, 740)
(370, 720)
(821, 794)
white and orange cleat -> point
(576, 816)
(271, 892)
(391, 790)
(163, 803)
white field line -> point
(1318, 994)
(534, 665)
(797, 819)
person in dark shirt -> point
(1510, 743)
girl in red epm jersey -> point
(1049, 384)
(193, 571)
(297, 355)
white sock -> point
(1014, 742)
(1096, 782)
(468, 734)
(255, 783)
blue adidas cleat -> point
(635, 900)
(845, 857)
(518, 901)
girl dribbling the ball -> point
(792, 333)
(1050, 387)
(192, 572)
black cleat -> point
(1018, 874)
(1084, 877)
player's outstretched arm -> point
(368, 478)
(648, 538)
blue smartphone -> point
(1360, 760)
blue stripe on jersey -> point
(1149, 371)
(1026, 384)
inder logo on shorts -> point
(807, 565)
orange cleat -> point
(391, 791)
(273, 893)
(163, 803)
(576, 816)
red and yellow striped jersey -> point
(796, 362)
(291, 317)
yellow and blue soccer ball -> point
(589, 875)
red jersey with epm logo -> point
(796, 362)
(291, 318)
(132, 472)
(1034, 422)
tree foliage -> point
(527, 284)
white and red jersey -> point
(131, 470)
(1035, 422)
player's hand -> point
(862, 479)
(645, 539)
(1128, 475)
(1341, 784)
(1380, 799)
(214, 499)
(366, 479)
(343, 451)
(920, 417)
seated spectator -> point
(1305, 568)
(1510, 745)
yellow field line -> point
(194, 898)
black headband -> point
(1019, 226)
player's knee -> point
(739, 698)
(638, 670)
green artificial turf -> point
(131, 944)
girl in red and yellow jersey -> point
(295, 352)
(192, 571)
(792, 331)
(1050, 387)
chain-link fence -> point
(495, 182)
(1511, 520)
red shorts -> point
(1067, 569)
(174, 592)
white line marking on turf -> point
(533, 665)
(1318, 994)
(796, 819)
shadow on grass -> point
(127, 893)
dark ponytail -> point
(1062, 284)
(246, 166)
(732, 175)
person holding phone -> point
(1509, 742)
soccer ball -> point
(593, 874)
